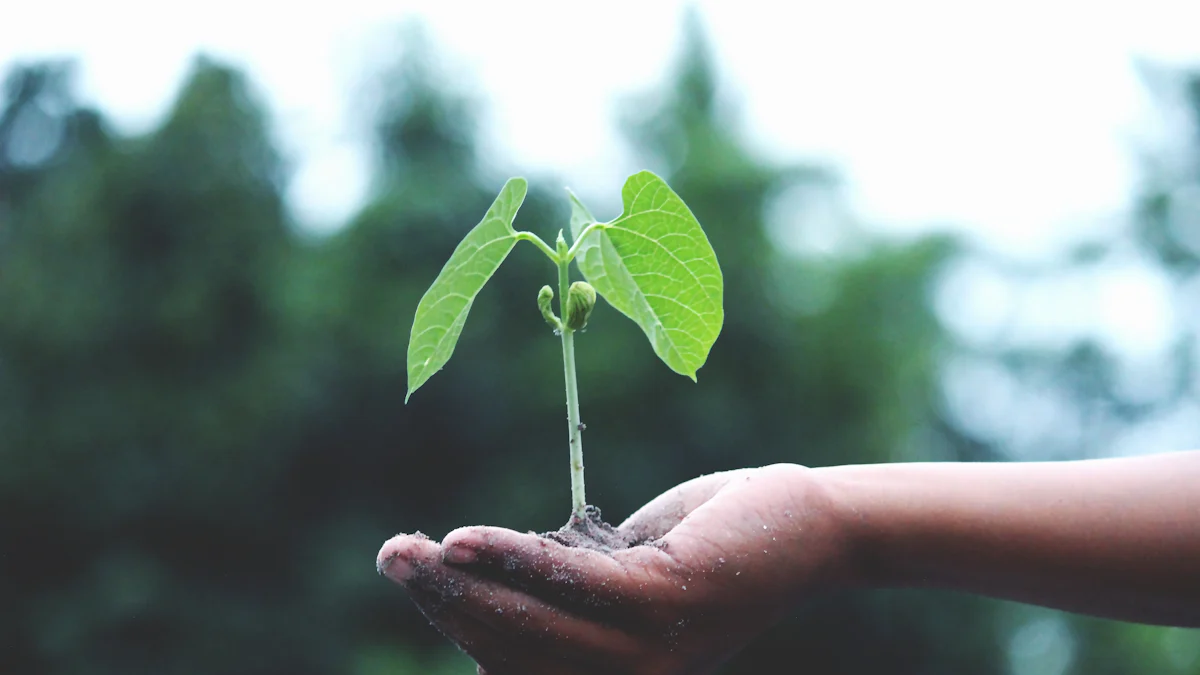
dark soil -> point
(591, 533)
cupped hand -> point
(725, 556)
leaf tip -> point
(519, 185)
(644, 174)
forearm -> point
(1118, 538)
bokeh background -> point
(947, 234)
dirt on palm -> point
(592, 533)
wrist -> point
(853, 493)
(832, 545)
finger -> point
(398, 555)
(412, 561)
(515, 614)
(581, 580)
(664, 512)
(478, 640)
(503, 628)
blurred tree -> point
(1169, 205)
(139, 396)
(363, 464)
(1166, 227)
(1098, 396)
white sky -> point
(1012, 120)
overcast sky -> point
(1012, 120)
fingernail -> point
(395, 568)
(458, 555)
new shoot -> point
(653, 264)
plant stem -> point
(537, 241)
(575, 427)
(582, 236)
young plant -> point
(653, 264)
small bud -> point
(581, 298)
(543, 300)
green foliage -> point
(444, 307)
(658, 267)
(581, 300)
(654, 264)
(545, 296)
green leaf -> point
(580, 218)
(444, 307)
(655, 266)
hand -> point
(727, 555)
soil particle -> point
(592, 533)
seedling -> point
(653, 264)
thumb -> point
(666, 511)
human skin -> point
(732, 553)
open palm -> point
(727, 555)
